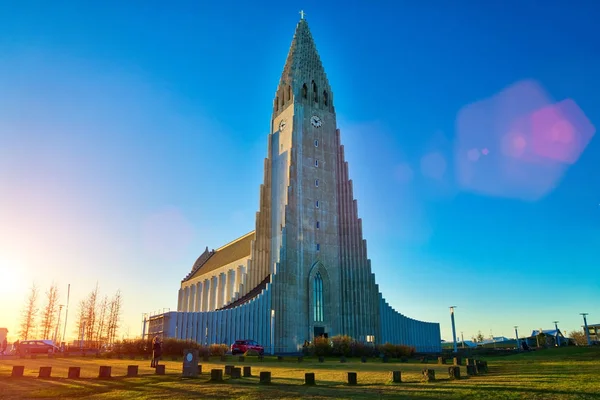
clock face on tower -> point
(282, 125)
(316, 121)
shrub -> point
(218, 349)
(341, 345)
(321, 346)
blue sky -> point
(132, 136)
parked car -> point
(37, 347)
(241, 346)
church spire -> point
(303, 76)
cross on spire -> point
(302, 14)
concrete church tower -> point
(304, 271)
(324, 283)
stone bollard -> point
(396, 376)
(321, 359)
(300, 358)
(279, 358)
(236, 373)
(241, 358)
(454, 372)
(45, 372)
(481, 366)
(247, 372)
(17, 371)
(471, 370)
(457, 361)
(216, 375)
(132, 371)
(342, 359)
(74, 372)
(363, 359)
(352, 378)
(265, 377)
(104, 372)
(309, 378)
(160, 369)
(199, 369)
(441, 360)
(228, 369)
(428, 375)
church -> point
(303, 272)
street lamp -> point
(517, 337)
(587, 332)
(453, 327)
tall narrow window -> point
(289, 92)
(318, 225)
(317, 182)
(316, 143)
(316, 163)
(315, 94)
(325, 97)
(317, 204)
(277, 103)
(318, 247)
(318, 294)
(304, 91)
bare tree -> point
(29, 314)
(81, 319)
(101, 326)
(49, 312)
(579, 337)
(114, 315)
(90, 314)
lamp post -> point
(273, 332)
(587, 332)
(517, 337)
(557, 335)
(453, 326)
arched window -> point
(289, 92)
(315, 95)
(318, 295)
(325, 97)
(304, 91)
(277, 103)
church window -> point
(316, 163)
(325, 97)
(277, 103)
(315, 95)
(316, 143)
(304, 91)
(316, 182)
(289, 92)
(317, 204)
(318, 247)
(318, 295)
(318, 225)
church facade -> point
(304, 271)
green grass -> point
(566, 373)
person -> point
(4, 346)
(156, 351)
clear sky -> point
(132, 135)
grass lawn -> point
(567, 373)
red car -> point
(241, 346)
